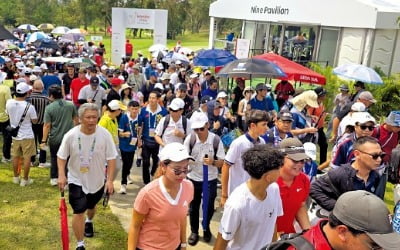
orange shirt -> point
(316, 114)
(161, 226)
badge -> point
(84, 167)
(133, 141)
(152, 132)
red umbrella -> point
(64, 222)
(293, 70)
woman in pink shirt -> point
(160, 209)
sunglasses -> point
(364, 127)
(179, 172)
(374, 156)
(199, 129)
(175, 110)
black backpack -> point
(393, 168)
(295, 240)
(166, 122)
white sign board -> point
(96, 38)
(242, 48)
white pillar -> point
(118, 35)
(212, 33)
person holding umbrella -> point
(208, 151)
(160, 208)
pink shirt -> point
(161, 226)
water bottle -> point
(396, 218)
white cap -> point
(115, 105)
(43, 66)
(159, 86)
(36, 69)
(362, 117)
(178, 62)
(27, 71)
(222, 94)
(160, 66)
(194, 75)
(176, 104)
(175, 152)
(165, 76)
(121, 78)
(20, 65)
(104, 67)
(358, 107)
(310, 150)
(23, 87)
(32, 78)
(198, 120)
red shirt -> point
(128, 49)
(317, 237)
(76, 86)
(292, 199)
(388, 140)
(282, 90)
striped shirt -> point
(39, 101)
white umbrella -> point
(76, 31)
(185, 50)
(57, 59)
(157, 47)
(173, 57)
(27, 27)
(60, 30)
(37, 36)
(358, 72)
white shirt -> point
(104, 150)
(237, 174)
(168, 136)
(98, 95)
(199, 151)
(247, 222)
(15, 109)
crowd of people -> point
(96, 121)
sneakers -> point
(207, 235)
(89, 232)
(54, 181)
(24, 182)
(193, 239)
(123, 189)
(5, 160)
(130, 181)
(16, 180)
(80, 248)
(138, 163)
(44, 165)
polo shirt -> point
(265, 104)
(76, 85)
(5, 94)
(111, 125)
(126, 123)
(316, 236)
(148, 121)
(292, 198)
(388, 140)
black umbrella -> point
(46, 43)
(5, 34)
(250, 68)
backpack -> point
(216, 141)
(295, 240)
(166, 122)
(393, 168)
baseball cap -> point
(261, 86)
(159, 86)
(104, 67)
(115, 81)
(293, 148)
(115, 105)
(165, 76)
(33, 78)
(308, 97)
(320, 91)
(94, 80)
(248, 89)
(344, 87)
(160, 66)
(207, 72)
(222, 94)
(182, 86)
(137, 66)
(174, 151)
(27, 71)
(217, 104)
(310, 150)
(358, 107)
(198, 120)
(393, 119)
(366, 212)
(366, 95)
(205, 99)
(362, 117)
(36, 69)
(285, 116)
(23, 87)
(176, 104)
(194, 75)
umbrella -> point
(46, 26)
(173, 57)
(5, 34)
(185, 51)
(39, 35)
(77, 31)
(72, 38)
(2, 61)
(57, 59)
(157, 47)
(358, 72)
(64, 222)
(251, 67)
(293, 70)
(46, 43)
(213, 58)
(60, 30)
(206, 195)
(28, 27)
(82, 60)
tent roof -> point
(5, 34)
(374, 14)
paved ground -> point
(121, 205)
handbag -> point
(14, 131)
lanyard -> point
(133, 130)
(90, 152)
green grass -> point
(30, 218)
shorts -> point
(80, 201)
(25, 148)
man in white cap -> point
(173, 127)
(23, 145)
(5, 95)
(207, 149)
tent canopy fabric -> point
(5, 34)
(213, 58)
(293, 70)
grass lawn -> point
(30, 218)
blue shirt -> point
(266, 104)
(131, 125)
(344, 153)
(210, 92)
(272, 136)
(148, 121)
(310, 169)
(49, 80)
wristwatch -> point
(184, 244)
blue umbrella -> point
(36, 36)
(358, 72)
(213, 58)
(28, 27)
(2, 61)
(206, 195)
